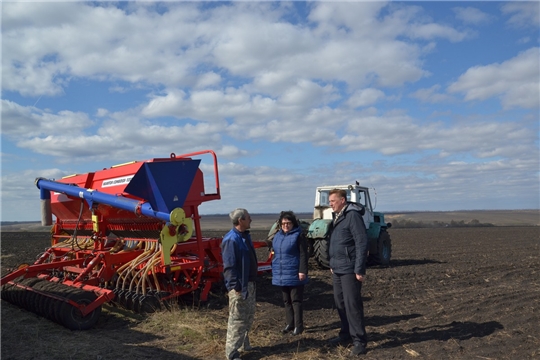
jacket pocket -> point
(350, 253)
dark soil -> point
(451, 293)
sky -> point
(432, 105)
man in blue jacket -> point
(239, 272)
(348, 256)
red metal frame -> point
(108, 263)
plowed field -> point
(450, 293)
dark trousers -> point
(348, 299)
(293, 297)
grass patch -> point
(196, 330)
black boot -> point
(287, 329)
(297, 331)
(298, 318)
(340, 340)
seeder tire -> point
(28, 297)
(47, 306)
(42, 302)
(17, 294)
(72, 318)
(5, 294)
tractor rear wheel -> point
(321, 253)
(384, 250)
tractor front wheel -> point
(321, 253)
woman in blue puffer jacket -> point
(290, 269)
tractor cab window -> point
(362, 198)
(324, 194)
(323, 198)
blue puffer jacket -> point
(290, 258)
(236, 260)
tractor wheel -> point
(321, 253)
(384, 250)
(311, 247)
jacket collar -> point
(338, 216)
(292, 231)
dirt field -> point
(451, 293)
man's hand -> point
(360, 277)
(301, 276)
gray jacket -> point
(349, 242)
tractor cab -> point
(355, 194)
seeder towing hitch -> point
(129, 235)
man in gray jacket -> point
(348, 256)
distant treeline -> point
(5, 223)
(437, 224)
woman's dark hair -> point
(289, 215)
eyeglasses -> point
(288, 223)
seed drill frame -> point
(129, 235)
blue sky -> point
(434, 105)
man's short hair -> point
(339, 192)
(237, 214)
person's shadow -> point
(458, 330)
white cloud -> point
(170, 104)
(248, 41)
(471, 15)
(515, 81)
(414, 23)
(262, 189)
(21, 122)
(432, 31)
(524, 40)
(124, 135)
(431, 95)
(19, 191)
(402, 135)
(522, 13)
(68, 135)
(262, 83)
(306, 94)
(102, 112)
(69, 148)
(231, 152)
(365, 97)
(208, 79)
